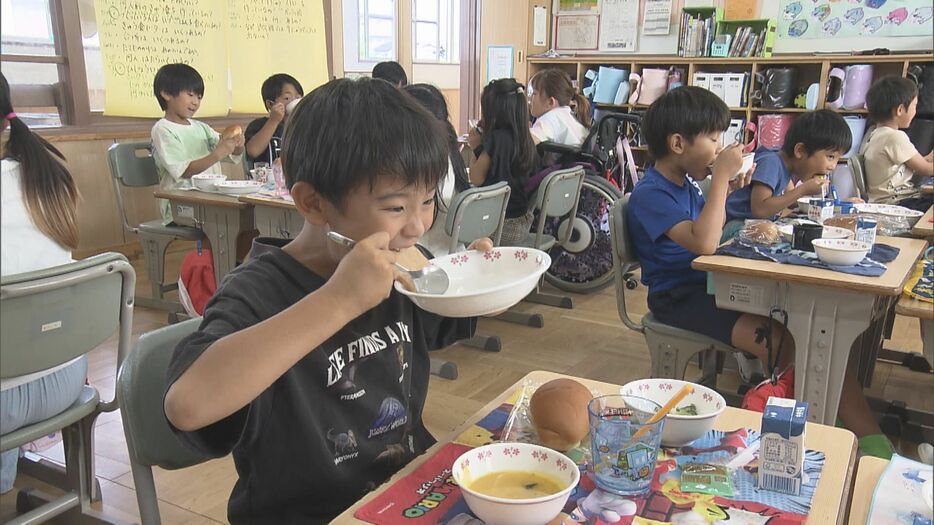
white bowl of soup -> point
(483, 283)
(694, 416)
(515, 483)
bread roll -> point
(559, 413)
(231, 131)
(765, 232)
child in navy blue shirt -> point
(670, 224)
(812, 147)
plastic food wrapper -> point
(759, 231)
(704, 478)
(891, 225)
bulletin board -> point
(234, 45)
(615, 26)
(804, 19)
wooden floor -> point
(588, 341)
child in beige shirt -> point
(892, 163)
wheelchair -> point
(585, 264)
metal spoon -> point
(429, 280)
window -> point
(31, 63)
(435, 36)
(369, 33)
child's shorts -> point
(690, 307)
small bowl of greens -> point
(693, 417)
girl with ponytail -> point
(38, 229)
(563, 114)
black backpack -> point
(924, 77)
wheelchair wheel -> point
(585, 263)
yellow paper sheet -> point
(139, 36)
(264, 39)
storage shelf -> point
(782, 110)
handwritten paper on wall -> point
(139, 36)
(265, 39)
(657, 19)
(618, 24)
(576, 32)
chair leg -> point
(670, 356)
(558, 301)
(445, 369)
(533, 320)
(154, 249)
(490, 343)
(145, 493)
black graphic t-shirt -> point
(272, 151)
(339, 422)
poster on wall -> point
(577, 6)
(576, 32)
(619, 25)
(804, 19)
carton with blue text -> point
(781, 449)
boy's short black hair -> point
(818, 130)
(688, 111)
(273, 86)
(886, 94)
(391, 72)
(175, 78)
(352, 132)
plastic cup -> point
(623, 465)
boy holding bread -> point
(321, 365)
(182, 146)
(671, 222)
(812, 146)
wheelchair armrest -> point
(555, 147)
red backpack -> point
(196, 284)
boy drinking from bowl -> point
(812, 146)
(321, 365)
(264, 135)
(181, 145)
(671, 223)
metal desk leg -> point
(927, 340)
(824, 323)
(277, 222)
(221, 226)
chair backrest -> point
(476, 213)
(558, 196)
(132, 165)
(51, 316)
(855, 162)
(624, 258)
(140, 388)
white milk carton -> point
(781, 449)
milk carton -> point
(781, 449)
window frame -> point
(351, 23)
(452, 9)
(72, 87)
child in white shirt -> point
(563, 114)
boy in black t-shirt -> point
(308, 366)
(264, 135)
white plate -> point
(238, 187)
(886, 209)
(483, 283)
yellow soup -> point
(516, 484)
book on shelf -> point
(697, 31)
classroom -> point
(467, 262)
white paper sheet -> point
(657, 18)
(576, 32)
(540, 27)
(498, 62)
(618, 25)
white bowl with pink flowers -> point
(483, 283)
(681, 428)
(506, 457)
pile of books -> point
(747, 42)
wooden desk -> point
(868, 472)
(927, 189)
(222, 218)
(911, 307)
(924, 228)
(274, 217)
(829, 505)
(827, 311)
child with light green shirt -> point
(182, 146)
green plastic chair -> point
(670, 348)
(473, 214)
(557, 197)
(132, 165)
(48, 318)
(150, 440)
